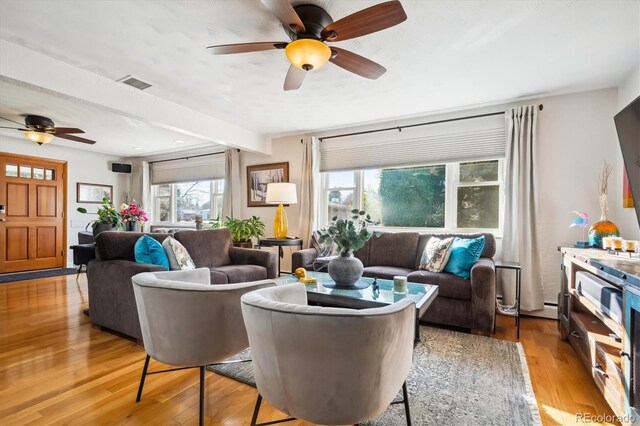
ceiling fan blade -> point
(6, 119)
(286, 14)
(294, 79)
(366, 21)
(76, 139)
(357, 64)
(13, 128)
(225, 49)
(62, 130)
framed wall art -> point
(93, 192)
(259, 176)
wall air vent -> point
(134, 82)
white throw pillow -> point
(179, 258)
(436, 254)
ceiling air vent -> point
(134, 82)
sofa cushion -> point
(363, 253)
(394, 249)
(148, 250)
(208, 248)
(120, 245)
(449, 285)
(436, 254)
(242, 273)
(464, 254)
(385, 272)
(179, 258)
(488, 251)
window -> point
(456, 196)
(182, 202)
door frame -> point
(65, 215)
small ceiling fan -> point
(42, 130)
(309, 27)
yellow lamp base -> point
(280, 226)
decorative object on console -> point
(259, 177)
(177, 254)
(42, 130)
(150, 251)
(243, 230)
(627, 196)
(349, 235)
(581, 221)
(132, 216)
(309, 27)
(604, 227)
(464, 254)
(436, 254)
(108, 218)
(281, 193)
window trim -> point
(452, 183)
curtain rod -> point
(186, 158)
(408, 126)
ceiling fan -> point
(42, 130)
(309, 27)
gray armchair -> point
(188, 323)
(327, 365)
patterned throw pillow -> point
(436, 254)
(179, 257)
(328, 248)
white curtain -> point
(140, 190)
(231, 199)
(520, 243)
(309, 188)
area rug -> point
(456, 379)
(32, 275)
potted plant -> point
(348, 235)
(132, 216)
(108, 218)
(242, 230)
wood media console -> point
(599, 314)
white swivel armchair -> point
(189, 323)
(329, 366)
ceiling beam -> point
(32, 68)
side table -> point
(280, 242)
(511, 311)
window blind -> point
(466, 140)
(187, 170)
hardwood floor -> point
(55, 368)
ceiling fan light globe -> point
(307, 54)
(38, 137)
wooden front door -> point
(32, 224)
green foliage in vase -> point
(242, 230)
(106, 214)
(348, 234)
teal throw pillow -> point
(148, 250)
(464, 254)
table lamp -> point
(281, 193)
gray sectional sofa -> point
(111, 300)
(469, 304)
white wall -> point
(82, 166)
(629, 89)
(576, 133)
(284, 149)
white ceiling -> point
(114, 133)
(448, 54)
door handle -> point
(2, 219)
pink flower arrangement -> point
(133, 213)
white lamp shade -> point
(281, 193)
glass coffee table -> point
(422, 294)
